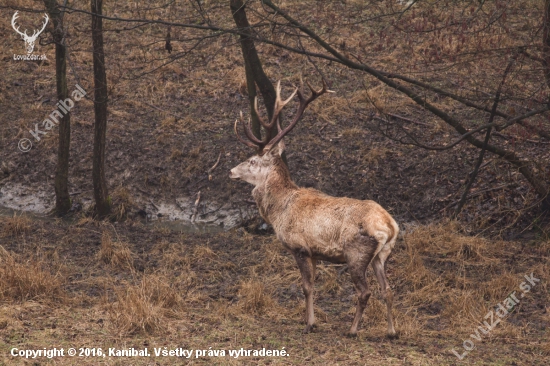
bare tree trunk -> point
(62, 198)
(546, 41)
(255, 74)
(102, 204)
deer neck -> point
(273, 195)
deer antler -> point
(266, 143)
(13, 19)
(254, 142)
(36, 33)
(303, 105)
(279, 105)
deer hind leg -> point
(307, 270)
(363, 294)
(358, 260)
(379, 267)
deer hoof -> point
(351, 334)
(392, 335)
(308, 329)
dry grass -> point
(445, 239)
(116, 254)
(122, 203)
(22, 280)
(374, 155)
(254, 297)
(235, 290)
(16, 225)
(145, 307)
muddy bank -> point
(209, 216)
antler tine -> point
(262, 120)
(13, 19)
(43, 26)
(303, 104)
(248, 132)
(315, 94)
(289, 98)
(266, 143)
(247, 143)
(279, 105)
(277, 108)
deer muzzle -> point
(233, 174)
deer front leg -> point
(307, 270)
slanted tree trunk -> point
(62, 198)
(102, 202)
(255, 74)
(254, 71)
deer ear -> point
(277, 149)
(280, 148)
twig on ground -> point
(196, 207)
(214, 167)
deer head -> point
(255, 169)
(29, 40)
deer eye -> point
(252, 162)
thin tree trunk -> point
(62, 198)
(102, 204)
(546, 41)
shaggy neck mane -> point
(273, 195)
(278, 180)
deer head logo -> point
(29, 40)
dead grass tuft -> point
(25, 280)
(254, 297)
(122, 202)
(16, 225)
(374, 155)
(116, 254)
(203, 253)
(329, 279)
(445, 240)
(144, 308)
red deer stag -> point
(312, 225)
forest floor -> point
(85, 284)
(76, 282)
